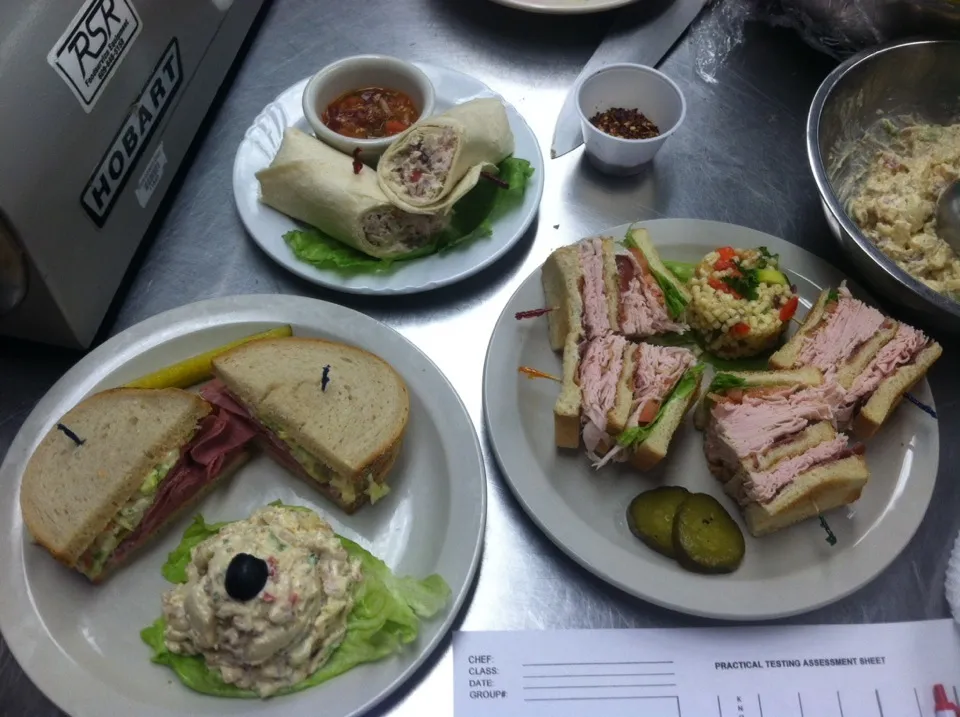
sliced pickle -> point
(651, 514)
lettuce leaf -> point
(685, 386)
(724, 381)
(473, 218)
(675, 301)
(385, 617)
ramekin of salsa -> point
(359, 105)
(371, 112)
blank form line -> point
(800, 702)
(592, 699)
(594, 664)
(595, 687)
(760, 705)
(879, 706)
(614, 674)
(839, 703)
(955, 698)
(719, 708)
(917, 696)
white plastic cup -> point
(628, 86)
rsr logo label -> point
(87, 55)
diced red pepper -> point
(740, 329)
(723, 264)
(718, 285)
(268, 597)
(294, 598)
(727, 253)
(395, 127)
(789, 309)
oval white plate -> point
(267, 226)
(564, 7)
(584, 511)
(80, 644)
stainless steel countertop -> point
(738, 158)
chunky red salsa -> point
(370, 113)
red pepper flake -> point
(532, 313)
(272, 566)
(789, 309)
(267, 597)
(294, 599)
(495, 179)
(740, 329)
(534, 373)
(625, 123)
(357, 164)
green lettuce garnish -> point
(675, 301)
(683, 270)
(725, 381)
(833, 295)
(685, 386)
(473, 218)
(385, 617)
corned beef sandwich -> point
(771, 439)
(119, 467)
(626, 399)
(596, 290)
(875, 359)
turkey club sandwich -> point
(119, 467)
(595, 290)
(875, 359)
(626, 399)
(333, 414)
(771, 440)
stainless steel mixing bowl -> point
(919, 78)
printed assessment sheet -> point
(884, 670)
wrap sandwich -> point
(309, 181)
(437, 161)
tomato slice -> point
(641, 259)
(789, 309)
(740, 329)
(649, 411)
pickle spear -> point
(193, 370)
(650, 516)
(705, 538)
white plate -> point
(584, 511)
(80, 644)
(267, 226)
(565, 7)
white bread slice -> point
(354, 427)
(802, 376)
(225, 472)
(641, 237)
(890, 392)
(654, 449)
(620, 413)
(816, 491)
(70, 493)
(788, 355)
(566, 411)
(560, 276)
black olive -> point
(246, 576)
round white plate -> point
(584, 511)
(80, 644)
(564, 7)
(267, 226)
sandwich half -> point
(596, 289)
(773, 444)
(333, 414)
(625, 399)
(120, 466)
(840, 336)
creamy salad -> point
(266, 599)
(896, 201)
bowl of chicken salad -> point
(883, 141)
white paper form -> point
(884, 670)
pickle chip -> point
(705, 538)
(651, 514)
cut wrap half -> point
(309, 181)
(437, 161)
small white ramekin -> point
(358, 72)
(628, 86)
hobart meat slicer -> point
(101, 100)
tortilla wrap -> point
(481, 138)
(312, 182)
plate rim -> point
(538, 6)
(149, 334)
(570, 551)
(318, 277)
